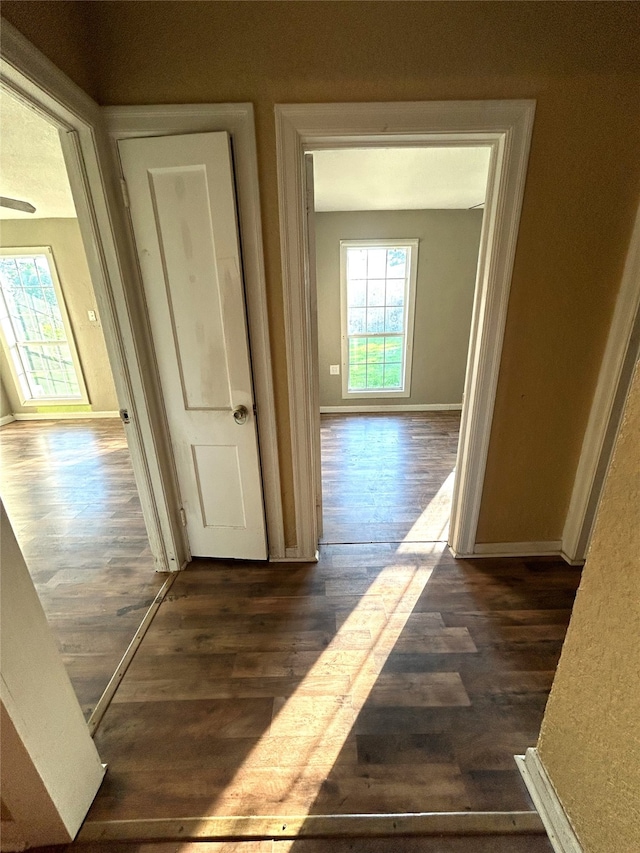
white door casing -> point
(182, 206)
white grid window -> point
(35, 328)
(378, 297)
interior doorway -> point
(397, 236)
(67, 479)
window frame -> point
(412, 245)
(83, 399)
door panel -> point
(183, 212)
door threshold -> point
(256, 828)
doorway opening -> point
(67, 480)
(505, 127)
(397, 236)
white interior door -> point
(182, 203)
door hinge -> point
(183, 516)
(125, 193)
(255, 410)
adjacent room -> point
(66, 477)
(397, 235)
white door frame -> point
(31, 77)
(506, 127)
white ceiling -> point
(31, 164)
(400, 178)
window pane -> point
(51, 372)
(357, 321)
(396, 263)
(356, 263)
(375, 350)
(43, 271)
(357, 350)
(28, 272)
(375, 375)
(393, 350)
(377, 263)
(392, 375)
(357, 293)
(375, 320)
(375, 292)
(9, 272)
(394, 320)
(395, 292)
(357, 377)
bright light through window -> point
(378, 295)
(35, 328)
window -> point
(378, 281)
(35, 329)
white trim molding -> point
(238, 121)
(7, 419)
(556, 822)
(409, 407)
(517, 549)
(503, 126)
(62, 416)
(621, 352)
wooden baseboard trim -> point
(561, 834)
(374, 409)
(105, 700)
(63, 416)
(7, 419)
(315, 826)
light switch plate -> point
(334, 369)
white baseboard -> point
(7, 419)
(63, 416)
(517, 549)
(293, 555)
(561, 834)
(414, 407)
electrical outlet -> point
(334, 369)
(93, 318)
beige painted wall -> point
(447, 262)
(5, 403)
(63, 235)
(579, 60)
(590, 739)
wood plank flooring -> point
(388, 477)
(383, 679)
(69, 491)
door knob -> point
(240, 414)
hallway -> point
(382, 679)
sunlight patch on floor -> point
(433, 524)
(309, 731)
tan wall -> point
(447, 262)
(5, 403)
(590, 739)
(63, 236)
(579, 60)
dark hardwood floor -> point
(388, 477)
(388, 677)
(382, 679)
(69, 491)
